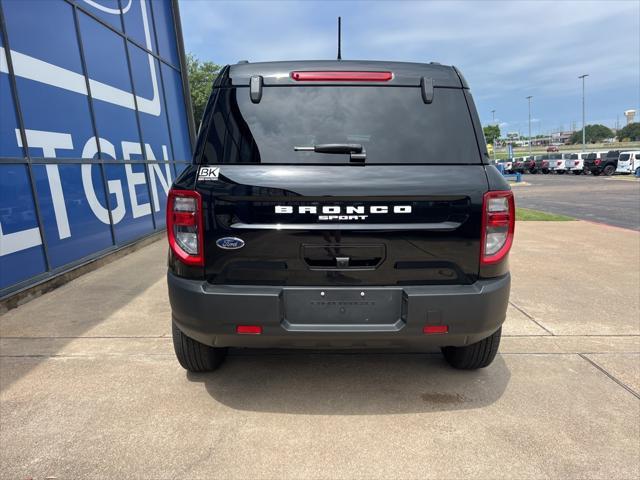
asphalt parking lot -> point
(611, 200)
(89, 386)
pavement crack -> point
(530, 317)
(619, 382)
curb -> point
(34, 291)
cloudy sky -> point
(507, 50)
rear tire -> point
(195, 356)
(595, 173)
(637, 173)
(474, 356)
(577, 172)
(609, 170)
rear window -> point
(393, 125)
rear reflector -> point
(249, 329)
(320, 76)
(431, 329)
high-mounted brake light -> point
(337, 76)
(184, 226)
(498, 226)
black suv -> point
(339, 204)
(602, 164)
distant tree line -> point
(630, 132)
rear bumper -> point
(210, 314)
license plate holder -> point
(339, 306)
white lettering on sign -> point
(154, 169)
(50, 143)
(114, 186)
(133, 179)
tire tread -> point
(474, 356)
(195, 356)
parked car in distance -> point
(522, 164)
(552, 148)
(517, 165)
(629, 162)
(507, 165)
(594, 162)
(575, 163)
(340, 228)
(540, 164)
(556, 163)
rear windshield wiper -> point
(355, 150)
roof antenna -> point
(339, 38)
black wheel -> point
(195, 356)
(545, 171)
(595, 173)
(560, 172)
(476, 355)
(577, 172)
(609, 170)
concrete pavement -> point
(89, 386)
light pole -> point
(493, 121)
(529, 99)
(583, 125)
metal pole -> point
(529, 99)
(583, 121)
(339, 38)
(493, 121)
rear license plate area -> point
(342, 306)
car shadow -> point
(351, 384)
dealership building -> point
(95, 124)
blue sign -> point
(93, 134)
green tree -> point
(593, 134)
(491, 133)
(201, 76)
(631, 131)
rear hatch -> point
(400, 203)
(590, 159)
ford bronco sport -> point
(339, 204)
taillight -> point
(498, 226)
(576, 162)
(184, 226)
(336, 76)
(597, 162)
(545, 164)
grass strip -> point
(528, 215)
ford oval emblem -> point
(230, 243)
